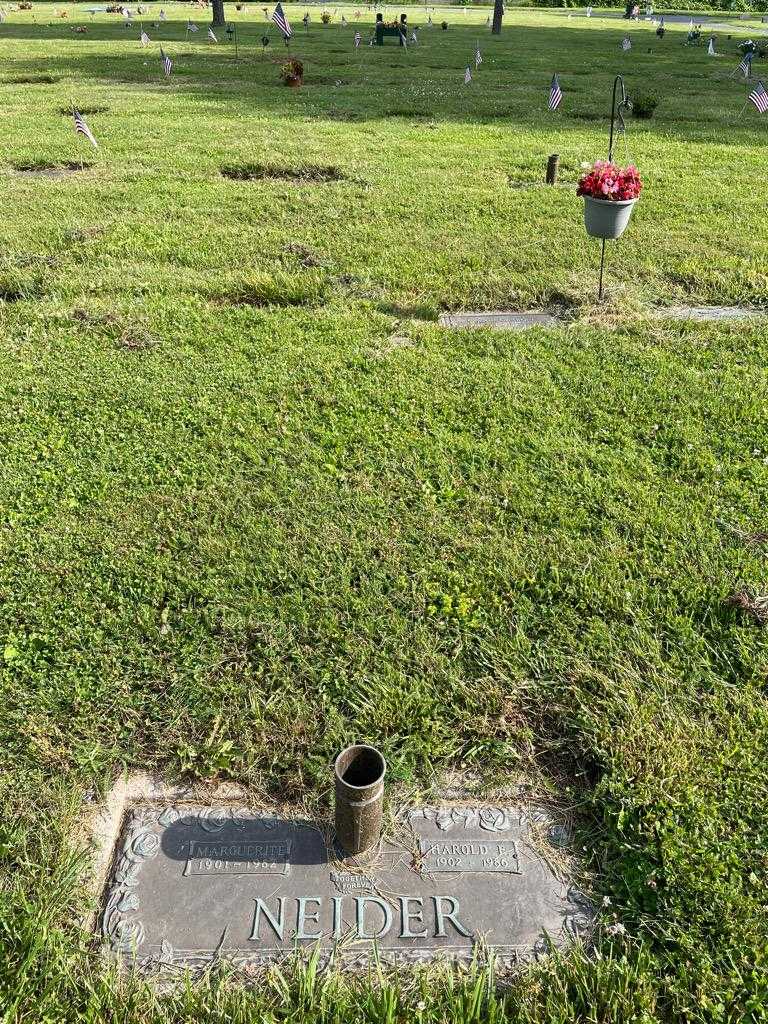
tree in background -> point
(498, 14)
(218, 12)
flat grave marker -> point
(190, 884)
(705, 314)
(497, 320)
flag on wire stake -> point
(281, 21)
(467, 77)
(191, 26)
(81, 128)
(711, 48)
(343, 21)
(145, 40)
(166, 62)
(555, 94)
(626, 43)
(745, 67)
(358, 40)
(478, 56)
(759, 98)
(414, 38)
(162, 15)
(211, 36)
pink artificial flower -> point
(608, 181)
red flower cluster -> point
(607, 181)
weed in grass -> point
(278, 289)
(19, 285)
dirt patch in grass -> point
(47, 169)
(750, 602)
(30, 79)
(85, 234)
(132, 336)
(87, 316)
(309, 174)
(305, 255)
(136, 338)
(388, 346)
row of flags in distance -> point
(758, 96)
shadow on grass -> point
(423, 82)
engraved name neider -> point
(499, 855)
(267, 858)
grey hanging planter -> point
(606, 218)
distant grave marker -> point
(500, 320)
(705, 314)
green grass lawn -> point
(256, 503)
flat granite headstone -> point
(190, 884)
(705, 314)
(500, 321)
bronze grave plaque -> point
(190, 884)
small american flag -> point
(281, 21)
(167, 63)
(626, 43)
(711, 48)
(163, 15)
(746, 65)
(467, 77)
(82, 128)
(414, 38)
(759, 97)
(343, 21)
(478, 57)
(358, 39)
(211, 36)
(555, 94)
(145, 40)
(191, 27)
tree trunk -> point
(498, 14)
(218, 12)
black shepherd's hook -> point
(617, 110)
